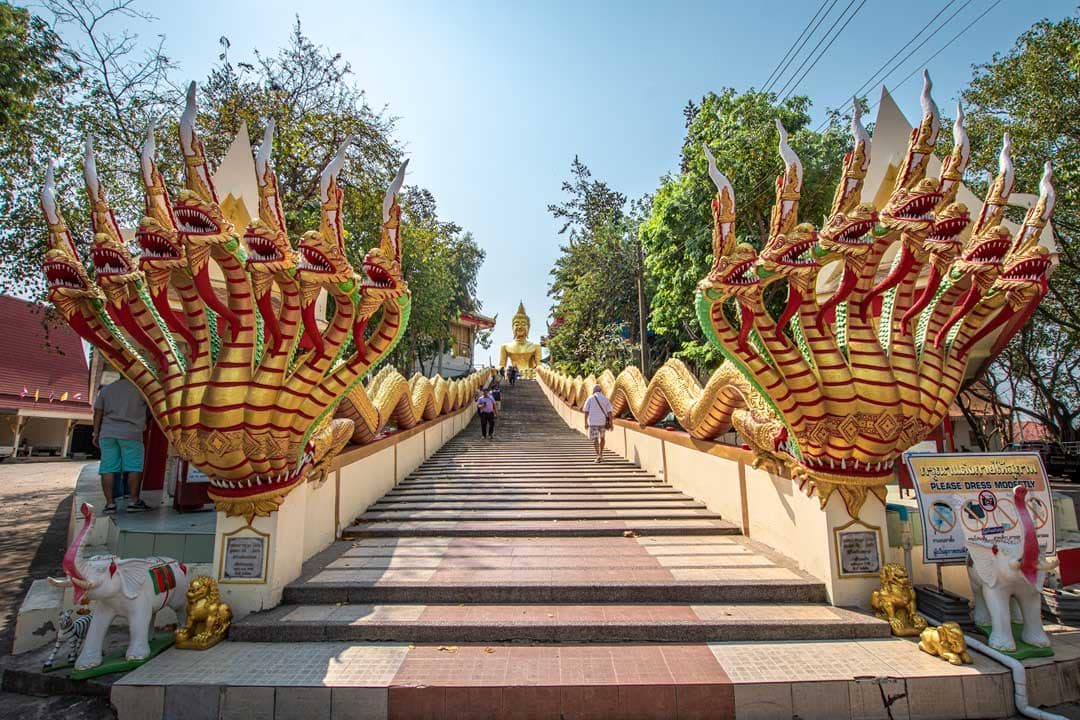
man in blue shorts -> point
(119, 420)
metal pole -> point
(642, 323)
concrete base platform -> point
(334, 681)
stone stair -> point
(525, 538)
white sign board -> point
(244, 559)
(969, 496)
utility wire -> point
(821, 40)
(791, 47)
(870, 82)
(826, 48)
(802, 43)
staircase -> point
(524, 538)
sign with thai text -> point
(243, 558)
(859, 552)
(969, 497)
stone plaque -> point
(244, 559)
(858, 552)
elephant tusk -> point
(84, 584)
(1049, 563)
(59, 582)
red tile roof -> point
(49, 362)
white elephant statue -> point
(1000, 574)
(135, 588)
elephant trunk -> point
(72, 561)
(1029, 559)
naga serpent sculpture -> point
(244, 391)
(836, 391)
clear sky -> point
(496, 98)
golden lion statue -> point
(895, 602)
(946, 642)
(207, 617)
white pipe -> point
(1019, 675)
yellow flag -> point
(36, 393)
(63, 396)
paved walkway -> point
(515, 578)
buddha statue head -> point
(520, 323)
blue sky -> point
(496, 98)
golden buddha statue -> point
(523, 355)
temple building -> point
(460, 357)
(44, 396)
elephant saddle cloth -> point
(163, 578)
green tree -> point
(1032, 91)
(594, 278)
(677, 234)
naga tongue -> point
(358, 338)
(847, 284)
(121, 314)
(965, 307)
(173, 322)
(312, 337)
(746, 324)
(907, 261)
(933, 282)
(206, 292)
(271, 331)
(794, 300)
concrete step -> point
(587, 623)
(682, 569)
(551, 504)
(534, 528)
(552, 514)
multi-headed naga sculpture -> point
(244, 390)
(837, 390)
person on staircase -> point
(598, 420)
(485, 405)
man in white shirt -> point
(597, 411)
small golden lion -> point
(946, 642)
(895, 601)
(207, 617)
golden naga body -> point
(208, 618)
(895, 602)
(246, 391)
(522, 353)
(946, 642)
(836, 390)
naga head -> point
(943, 243)
(383, 278)
(161, 248)
(909, 209)
(321, 252)
(792, 256)
(114, 266)
(68, 282)
(199, 217)
(265, 239)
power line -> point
(815, 48)
(802, 43)
(802, 34)
(826, 49)
(868, 83)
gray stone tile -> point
(138, 702)
(940, 698)
(247, 703)
(192, 702)
(354, 703)
(821, 700)
(988, 696)
(302, 703)
(762, 701)
(868, 702)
